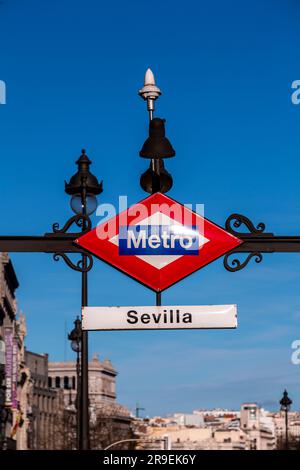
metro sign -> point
(158, 242)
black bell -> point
(152, 181)
(157, 145)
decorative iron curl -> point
(78, 219)
(79, 265)
(236, 265)
(236, 220)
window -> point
(66, 383)
(2, 315)
(50, 382)
(57, 382)
(73, 383)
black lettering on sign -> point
(187, 318)
(145, 318)
(132, 317)
(166, 317)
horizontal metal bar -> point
(53, 243)
(50, 243)
(268, 244)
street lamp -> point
(156, 147)
(84, 187)
(75, 337)
(285, 405)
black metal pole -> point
(156, 189)
(155, 175)
(78, 401)
(84, 395)
(84, 414)
(286, 431)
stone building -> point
(21, 421)
(109, 421)
(250, 429)
(45, 405)
(293, 428)
(259, 427)
(14, 376)
(37, 399)
(102, 381)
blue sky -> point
(72, 71)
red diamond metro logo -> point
(158, 242)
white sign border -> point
(210, 317)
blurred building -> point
(102, 381)
(188, 419)
(293, 423)
(45, 406)
(251, 428)
(13, 371)
(260, 429)
(109, 421)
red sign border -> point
(165, 276)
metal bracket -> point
(239, 220)
(79, 266)
(255, 242)
(80, 220)
(85, 223)
(235, 264)
(236, 221)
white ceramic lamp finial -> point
(149, 78)
(149, 90)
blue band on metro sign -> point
(158, 240)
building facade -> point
(102, 381)
(45, 406)
(258, 426)
(13, 373)
(251, 428)
(109, 421)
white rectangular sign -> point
(159, 318)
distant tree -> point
(64, 432)
(111, 424)
(108, 424)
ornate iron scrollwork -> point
(235, 264)
(235, 221)
(79, 220)
(239, 220)
(76, 266)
